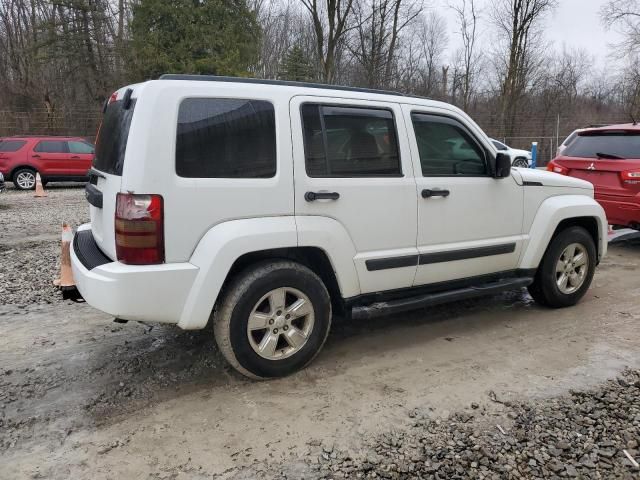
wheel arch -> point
(20, 167)
(590, 224)
(560, 212)
(314, 258)
(227, 248)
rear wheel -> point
(521, 162)
(272, 319)
(24, 179)
(566, 270)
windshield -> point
(111, 143)
(610, 144)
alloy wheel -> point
(26, 180)
(571, 268)
(280, 323)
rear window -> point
(226, 138)
(618, 144)
(111, 143)
(11, 145)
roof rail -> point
(285, 83)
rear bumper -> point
(620, 211)
(153, 293)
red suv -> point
(57, 159)
(609, 158)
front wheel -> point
(272, 319)
(521, 162)
(24, 179)
(566, 270)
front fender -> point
(216, 252)
(549, 215)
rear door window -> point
(111, 144)
(80, 147)
(345, 141)
(610, 144)
(226, 138)
(11, 145)
(51, 146)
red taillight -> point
(630, 176)
(113, 97)
(554, 167)
(139, 229)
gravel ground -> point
(494, 387)
(580, 435)
(30, 241)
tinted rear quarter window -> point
(226, 138)
(111, 144)
(80, 147)
(620, 144)
(11, 145)
(51, 146)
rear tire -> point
(24, 179)
(566, 270)
(521, 162)
(272, 319)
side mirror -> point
(503, 165)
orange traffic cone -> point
(39, 188)
(65, 282)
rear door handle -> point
(35, 156)
(312, 196)
(75, 156)
(435, 192)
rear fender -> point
(217, 251)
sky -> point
(574, 23)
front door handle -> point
(75, 156)
(35, 156)
(435, 192)
(312, 196)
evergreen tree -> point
(296, 66)
(218, 37)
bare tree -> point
(330, 24)
(624, 15)
(517, 22)
(467, 15)
(378, 24)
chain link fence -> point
(84, 122)
(80, 122)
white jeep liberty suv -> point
(267, 206)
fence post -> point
(534, 154)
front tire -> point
(272, 319)
(24, 179)
(566, 270)
(521, 162)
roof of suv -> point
(628, 127)
(29, 137)
(285, 83)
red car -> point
(57, 159)
(609, 158)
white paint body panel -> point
(388, 229)
(210, 223)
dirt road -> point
(83, 397)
